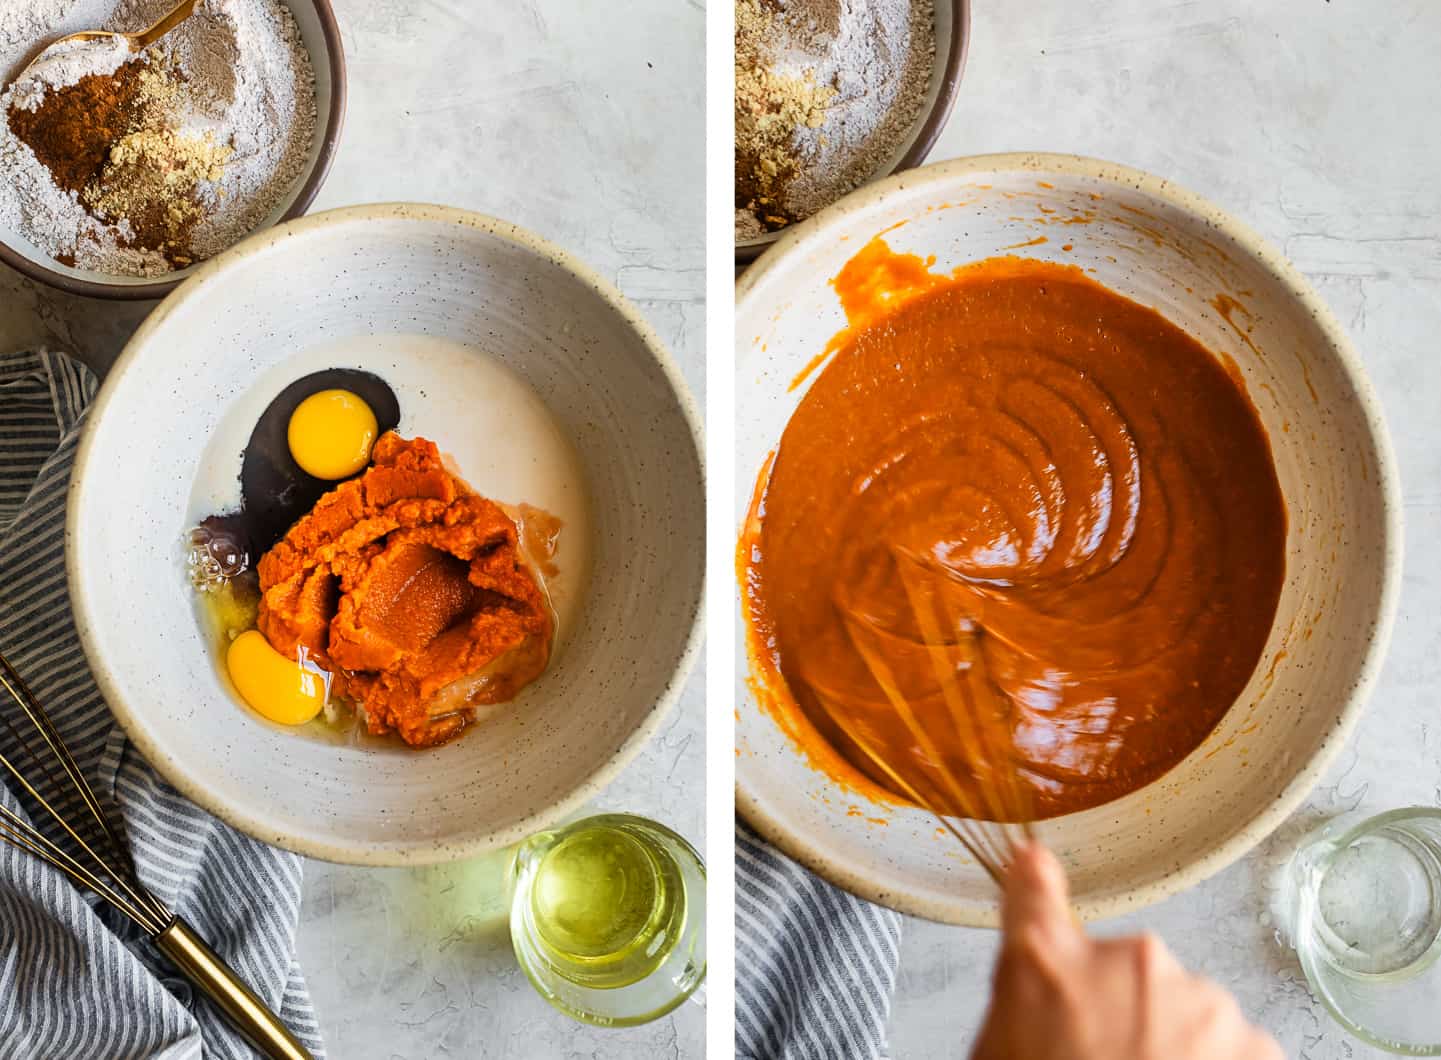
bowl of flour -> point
(122, 172)
(831, 95)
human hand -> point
(1060, 995)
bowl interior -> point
(489, 338)
(321, 36)
(1170, 251)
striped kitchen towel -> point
(815, 966)
(77, 980)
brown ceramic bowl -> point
(953, 35)
(321, 34)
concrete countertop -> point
(1315, 123)
(550, 114)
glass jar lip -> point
(611, 818)
(1380, 820)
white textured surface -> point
(586, 127)
(1307, 120)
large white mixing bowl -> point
(437, 301)
(1168, 249)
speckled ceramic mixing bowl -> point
(1171, 250)
(450, 308)
(321, 33)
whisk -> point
(982, 815)
(97, 861)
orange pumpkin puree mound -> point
(413, 590)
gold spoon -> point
(137, 42)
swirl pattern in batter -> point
(1085, 493)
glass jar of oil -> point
(607, 918)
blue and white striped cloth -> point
(815, 966)
(77, 980)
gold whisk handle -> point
(203, 967)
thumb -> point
(1036, 896)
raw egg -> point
(287, 691)
(330, 434)
(275, 489)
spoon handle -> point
(178, 14)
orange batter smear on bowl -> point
(1086, 490)
(414, 590)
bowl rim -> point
(931, 126)
(214, 272)
(329, 136)
(1262, 820)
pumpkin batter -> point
(1082, 487)
(413, 590)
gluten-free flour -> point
(136, 165)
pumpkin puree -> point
(413, 590)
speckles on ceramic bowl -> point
(1169, 249)
(467, 282)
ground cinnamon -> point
(73, 128)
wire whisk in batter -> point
(985, 809)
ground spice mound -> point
(72, 129)
(110, 139)
(769, 108)
(152, 179)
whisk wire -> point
(981, 845)
(962, 715)
(16, 831)
(884, 677)
(981, 814)
(119, 870)
(973, 711)
(27, 701)
(971, 838)
(115, 880)
(137, 895)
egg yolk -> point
(330, 434)
(278, 688)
